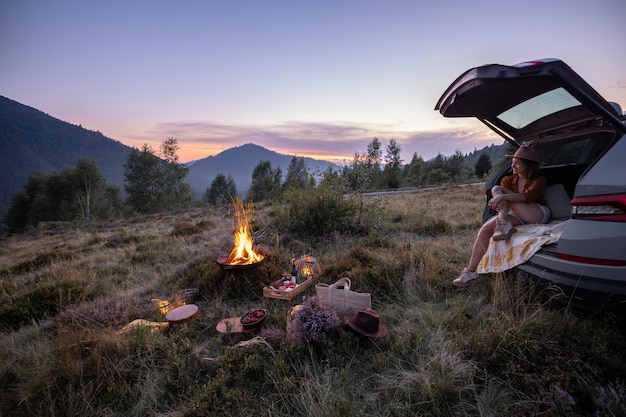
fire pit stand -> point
(222, 261)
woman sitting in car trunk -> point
(519, 199)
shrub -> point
(184, 229)
(40, 261)
(42, 301)
(108, 312)
(121, 239)
(317, 212)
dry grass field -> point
(496, 348)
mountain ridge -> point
(33, 141)
(239, 162)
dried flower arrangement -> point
(314, 322)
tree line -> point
(155, 182)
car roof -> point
(525, 101)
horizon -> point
(342, 162)
(339, 160)
(315, 79)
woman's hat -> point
(526, 152)
(367, 322)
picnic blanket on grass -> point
(502, 255)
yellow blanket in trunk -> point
(502, 255)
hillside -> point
(32, 141)
(495, 348)
(495, 153)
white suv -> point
(582, 138)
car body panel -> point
(594, 239)
(568, 282)
(606, 279)
(607, 176)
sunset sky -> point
(306, 78)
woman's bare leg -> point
(529, 212)
(481, 243)
(478, 251)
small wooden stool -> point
(181, 315)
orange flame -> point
(243, 252)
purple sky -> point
(316, 78)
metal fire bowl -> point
(222, 261)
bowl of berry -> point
(253, 319)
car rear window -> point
(583, 149)
(566, 153)
(538, 107)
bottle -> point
(294, 271)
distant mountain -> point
(32, 141)
(239, 162)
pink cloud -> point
(334, 142)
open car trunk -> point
(581, 138)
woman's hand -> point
(495, 202)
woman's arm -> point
(503, 194)
(533, 192)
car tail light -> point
(610, 208)
(594, 261)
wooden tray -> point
(269, 292)
(232, 325)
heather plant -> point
(273, 334)
(611, 398)
(108, 312)
(40, 302)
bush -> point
(41, 301)
(318, 212)
(38, 262)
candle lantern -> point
(308, 266)
(184, 297)
(164, 306)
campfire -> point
(243, 254)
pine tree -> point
(222, 191)
(483, 165)
(154, 184)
